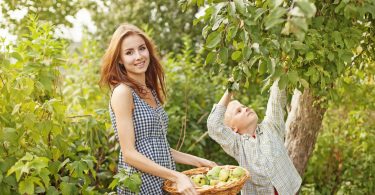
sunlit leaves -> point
(240, 6)
(275, 17)
(307, 8)
(223, 55)
(211, 57)
(236, 55)
(293, 76)
(213, 39)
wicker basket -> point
(230, 188)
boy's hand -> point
(232, 85)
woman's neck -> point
(139, 78)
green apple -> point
(214, 182)
(214, 173)
(200, 180)
(232, 179)
(223, 175)
(238, 172)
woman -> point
(132, 69)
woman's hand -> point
(184, 185)
(201, 162)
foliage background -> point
(56, 136)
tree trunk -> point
(303, 124)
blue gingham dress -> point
(150, 127)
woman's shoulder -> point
(119, 94)
(122, 90)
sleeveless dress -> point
(150, 128)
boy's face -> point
(239, 117)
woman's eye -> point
(129, 53)
(143, 48)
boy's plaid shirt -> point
(264, 156)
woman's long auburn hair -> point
(113, 74)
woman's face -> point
(134, 55)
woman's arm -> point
(122, 105)
(187, 159)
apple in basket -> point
(213, 174)
(224, 175)
(238, 172)
(199, 180)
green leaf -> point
(299, 23)
(17, 56)
(211, 57)
(136, 178)
(26, 187)
(236, 55)
(213, 39)
(68, 188)
(296, 11)
(232, 32)
(77, 169)
(339, 66)
(200, 3)
(44, 174)
(38, 163)
(205, 31)
(246, 52)
(350, 11)
(232, 9)
(262, 67)
(16, 108)
(308, 8)
(217, 24)
(114, 183)
(310, 56)
(266, 85)
(273, 22)
(51, 190)
(330, 56)
(27, 157)
(346, 56)
(293, 76)
(258, 13)
(253, 60)
(299, 45)
(304, 83)
(223, 55)
(314, 76)
(275, 17)
(240, 6)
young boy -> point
(257, 147)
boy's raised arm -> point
(275, 109)
(220, 132)
(226, 98)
